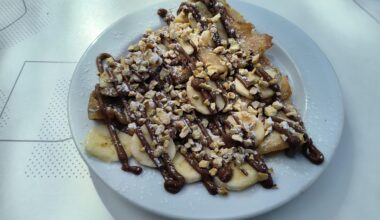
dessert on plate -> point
(197, 100)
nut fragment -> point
(237, 137)
(184, 131)
(231, 95)
(197, 147)
(218, 50)
(277, 105)
(217, 162)
(163, 116)
(203, 164)
(213, 171)
(270, 111)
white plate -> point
(316, 94)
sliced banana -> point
(185, 169)
(197, 100)
(241, 90)
(139, 153)
(99, 144)
(242, 178)
(266, 92)
(186, 46)
(272, 143)
(202, 8)
(213, 62)
(248, 118)
(251, 78)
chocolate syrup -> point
(173, 180)
(206, 177)
(122, 155)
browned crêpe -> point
(200, 85)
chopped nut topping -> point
(270, 111)
(218, 50)
(184, 131)
(213, 171)
(204, 122)
(237, 137)
(197, 147)
(218, 162)
(187, 108)
(219, 123)
(284, 137)
(253, 90)
(231, 95)
(203, 164)
(163, 116)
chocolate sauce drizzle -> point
(218, 125)
(215, 7)
(173, 180)
(122, 155)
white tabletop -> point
(29, 189)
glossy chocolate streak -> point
(312, 153)
(216, 38)
(188, 8)
(206, 177)
(163, 13)
(205, 132)
(171, 185)
(294, 125)
(173, 180)
(237, 120)
(179, 179)
(195, 83)
(258, 164)
(294, 117)
(99, 61)
(245, 83)
(224, 91)
(229, 142)
(225, 173)
(122, 155)
(308, 149)
(226, 20)
(262, 73)
(172, 171)
(294, 142)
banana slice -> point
(186, 46)
(251, 78)
(241, 90)
(213, 62)
(247, 118)
(197, 100)
(139, 153)
(266, 92)
(202, 8)
(99, 144)
(185, 169)
(273, 142)
(242, 178)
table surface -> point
(42, 176)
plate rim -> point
(333, 76)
